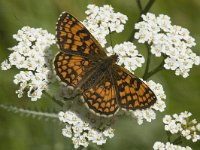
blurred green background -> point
(23, 133)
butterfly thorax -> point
(98, 73)
(107, 62)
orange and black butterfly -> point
(83, 64)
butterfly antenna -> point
(110, 35)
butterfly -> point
(83, 64)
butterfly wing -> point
(74, 38)
(71, 68)
(132, 93)
(101, 99)
(79, 50)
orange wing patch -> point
(101, 99)
(70, 69)
(132, 92)
(73, 37)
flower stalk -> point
(147, 74)
(142, 11)
(28, 112)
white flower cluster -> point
(172, 41)
(169, 146)
(82, 132)
(128, 56)
(32, 54)
(149, 113)
(182, 125)
(101, 19)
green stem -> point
(56, 101)
(139, 5)
(168, 136)
(142, 11)
(151, 73)
(28, 112)
(148, 61)
(148, 6)
(178, 140)
(94, 147)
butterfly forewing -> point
(131, 91)
(73, 37)
(71, 68)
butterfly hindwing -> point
(101, 98)
(73, 37)
(132, 92)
